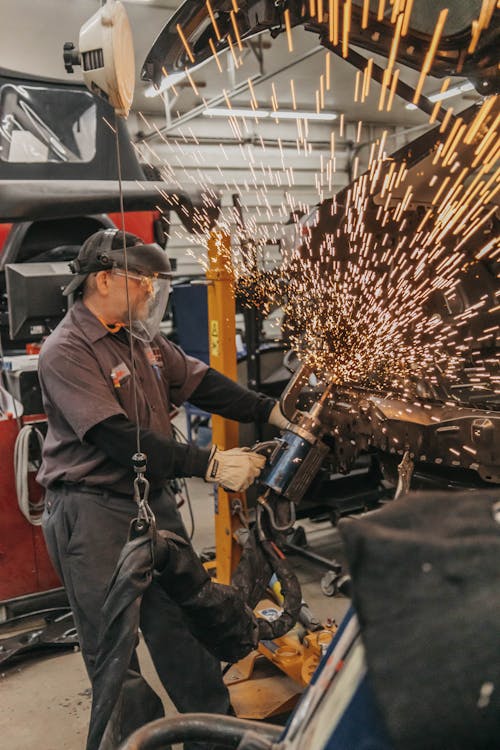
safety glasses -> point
(146, 280)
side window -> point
(38, 125)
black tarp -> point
(426, 587)
(218, 615)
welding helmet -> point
(146, 265)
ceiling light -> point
(235, 112)
(263, 113)
(173, 79)
(448, 94)
(293, 115)
(166, 83)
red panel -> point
(138, 222)
(25, 567)
(4, 231)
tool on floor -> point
(58, 631)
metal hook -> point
(141, 495)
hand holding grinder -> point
(293, 461)
(286, 465)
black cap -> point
(103, 251)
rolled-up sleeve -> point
(73, 383)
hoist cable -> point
(145, 516)
(129, 310)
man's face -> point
(141, 294)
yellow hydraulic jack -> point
(258, 689)
(230, 507)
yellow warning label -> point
(214, 338)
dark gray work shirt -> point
(85, 376)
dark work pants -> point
(85, 532)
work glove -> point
(234, 469)
(277, 418)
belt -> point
(92, 489)
(88, 489)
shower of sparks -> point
(364, 287)
(359, 290)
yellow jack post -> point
(222, 348)
(256, 692)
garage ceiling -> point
(263, 160)
(24, 48)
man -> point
(96, 418)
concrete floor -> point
(45, 700)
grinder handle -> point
(268, 448)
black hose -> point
(290, 591)
(265, 535)
(224, 730)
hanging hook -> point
(141, 491)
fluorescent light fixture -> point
(448, 94)
(166, 83)
(173, 79)
(467, 86)
(282, 114)
(235, 112)
(294, 115)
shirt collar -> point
(88, 323)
